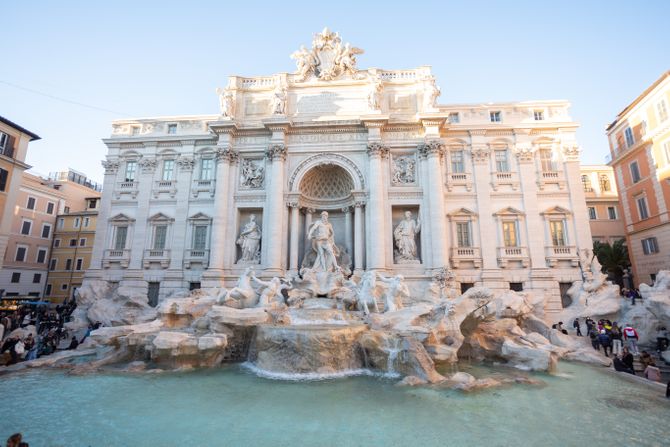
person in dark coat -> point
(605, 341)
(628, 359)
(575, 324)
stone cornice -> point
(223, 127)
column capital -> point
(276, 151)
(480, 153)
(226, 153)
(111, 166)
(432, 147)
(376, 148)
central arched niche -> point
(328, 187)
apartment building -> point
(602, 202)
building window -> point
(82, 242)
(611, 212)
(510, 234)
(48, 290)
(56, 243)
(635, 172)
(50, 207)
(61, 223)
(454, 118)
(605, 184)
(662, 110)
(77, 222)
(160, 236)
(172, 129)
(16, 277)
(206, 169)
(586, 183)
(120, 236)
(501, 161)
(68, 264)
(557, 229)
(26, 226)
(6, 145)
(457, 164)
(3, 179)
(495, 117)
(92, 203)
(37, 278)
(31, 203)
(194, 286)
(66, 210)
(131, 171)
(642, 207)
(135, 130)
(463, 234)
(73, 242)
(63, 286)
(86, 222)
(200, 237)
(630, 140)
(46, 231)
(41, 255)
(465, 286)
(538, 115)
(21, 253)
(649, 245)
(592, 213)
(546, 160)
(168, 170)
(80, 264)
(52, 264)
(516, 286)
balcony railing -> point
(509, 254)
(466, 254)
(113, 256)
(126, 187)
(459, 179)
(156, 255)
(505, 178)
(551, 177)
(203, 186)
(556, 253)
(165, 186)
(196, 256)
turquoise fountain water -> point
(233, 407)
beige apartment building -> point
(39, 201)
(14, 141)
(71, 250)
(639, 141)
(602, 201)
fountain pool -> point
(232, 406)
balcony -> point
(507, 255)
(558, 253)
(466, 255)
(499, 179)
(203, 186)
(156, 256)
(127, 187)
(549, 178)
(459, 179)
(165, 186)
(121, 257)
(194, 256)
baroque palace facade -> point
(490, 191)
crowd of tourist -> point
(631, 294)
(16, 440)
(49, 330)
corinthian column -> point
(432, 151)
(273, 218)
(295, 231)
(376, 256)
(225, 155)
(358, 236)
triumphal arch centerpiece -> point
(337, 170)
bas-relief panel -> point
(402, 103)
(256, 107)
(328, 103)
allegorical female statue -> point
(405, 238)
(250, 241)
(323, 242)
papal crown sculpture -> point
(328, 59)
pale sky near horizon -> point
(153, 58)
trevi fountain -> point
(330, 353)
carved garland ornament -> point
(186, 163)
(524, 153)
(148, 165)
(571, 153)
(480, 154)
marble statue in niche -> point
(322, 236)
(404, 170)
(432, 92)
(375, 95)
(404, 236)
(250, 241)
(279, 100)
(226, 102)
(252, 174)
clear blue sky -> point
(166, 58)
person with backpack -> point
(630, 335)
(604, 341)
(575, 324)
